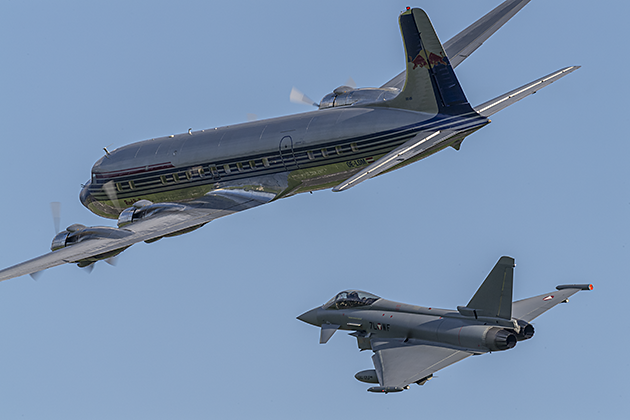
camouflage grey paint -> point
(413, 342)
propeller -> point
(55, 208)
(110, 190)
(36, 275)
(298, 97)
(112, 260)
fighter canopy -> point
(351, 299)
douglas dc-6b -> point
(411, 343)
(173, 185)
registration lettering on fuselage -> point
(377, 326)
(359, 162)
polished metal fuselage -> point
(283, 156)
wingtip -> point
(575, 286)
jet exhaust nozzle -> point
(526, 331)
(500, 339)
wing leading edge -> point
(215, 205)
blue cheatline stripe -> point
(384, 142)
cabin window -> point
(252, 164)
(188, 175)
(227, 169)
(118, 186)
(132, 185)
(324, 153)
(163, 179)
(214, 171)
(239, 166)
(338, 150)
(176, 177)
(310, 155)
(354, 147)
(265, 162)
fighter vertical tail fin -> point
(430, 85)
(494, 296)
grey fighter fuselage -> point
(283, 156)
(411, 343)
(388, 319)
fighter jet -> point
(175, 184)
(411, 343)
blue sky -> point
(203, 325)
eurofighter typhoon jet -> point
(411, 343)
(173, 185)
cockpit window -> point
(351, 299)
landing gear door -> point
(286, 152)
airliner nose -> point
(310, 317)
(84, 196)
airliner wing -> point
(467, 41)
(418, 144)
(167, 220)
(400, 363)
(528, 309)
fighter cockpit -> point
(351, 299)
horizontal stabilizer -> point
(497, 104)
(494, 297)
(409, 149)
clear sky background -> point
(203, 325)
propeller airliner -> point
(175, 184)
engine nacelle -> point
(368, 376)
(129, 215)
(60, 240)
(78, 233)
(345, 96)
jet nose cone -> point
(310, 317)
